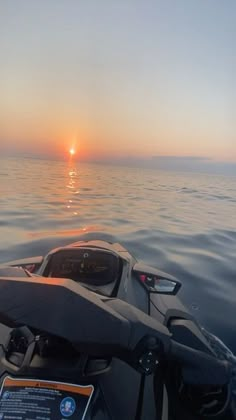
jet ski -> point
(90, 333)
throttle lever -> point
(199, 368)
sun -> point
(72, 151)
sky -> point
(119, 79)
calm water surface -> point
(182, 223)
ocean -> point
(182, 223)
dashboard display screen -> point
(93, 267)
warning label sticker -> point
(31, 399)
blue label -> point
(67, 407)
(6, 396)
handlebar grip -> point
(199, 368)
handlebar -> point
(102, 327)
(199, 368)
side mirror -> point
(30, 264)
(155, 281)
(8, 271)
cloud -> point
(180, 158)
(177, 163)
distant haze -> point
(145, 83)
(177, 163)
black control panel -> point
(92, 267)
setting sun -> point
(72, 151)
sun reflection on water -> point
(72, 187)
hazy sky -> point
(118, 78)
